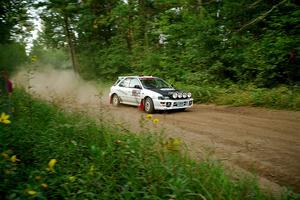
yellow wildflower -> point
(177, 141)
(44, 185)
(118, 142)
(31, 192)
(4, 118)
(33, 59)
(92, 170)
(14, 159)
(149, 116)
(173, 144)
(10, 171)
(4, 155)
(37, 178)
(155, 121)
(72, 178)
(51, 165)
(95, 24)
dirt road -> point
(261, 141)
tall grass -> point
(96, 161)
(282, 97)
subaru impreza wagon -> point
(149, 93)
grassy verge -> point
(49, 154)
(278, 98)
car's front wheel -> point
(149, 107)
(115, 100)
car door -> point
(134, 92)
(123, 90)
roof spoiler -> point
(121, 77)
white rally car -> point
(149, 93)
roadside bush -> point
(282, 97)
(202, 93)
(11, 56)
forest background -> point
(225, 52)
(229, 52)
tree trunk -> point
(129, 35)
(70, 44)
(142, 22)
(200, 9)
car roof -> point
(122, 77)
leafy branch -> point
(261, 17)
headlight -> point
(175, 95)
(189, 95)
(184, 95)
(180, 95)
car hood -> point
(165, 92)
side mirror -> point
(137, 87)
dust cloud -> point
(61, 87)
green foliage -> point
(203, 93)
(56, 58)
(14, 20)
(98, 162)
(228, 41)
(282, 97)
(107, 63)
(267, 61)
(11, 56)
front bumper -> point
(172, 104)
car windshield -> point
(154, 83)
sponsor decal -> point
(136, 93)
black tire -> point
(149, 107)
(115, 100)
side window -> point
(125, 83)
(133, 83)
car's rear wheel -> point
(115, 100)
(149, 107)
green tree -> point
(14, 28)
(58, 18)
(13, 19)
(192, 41)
